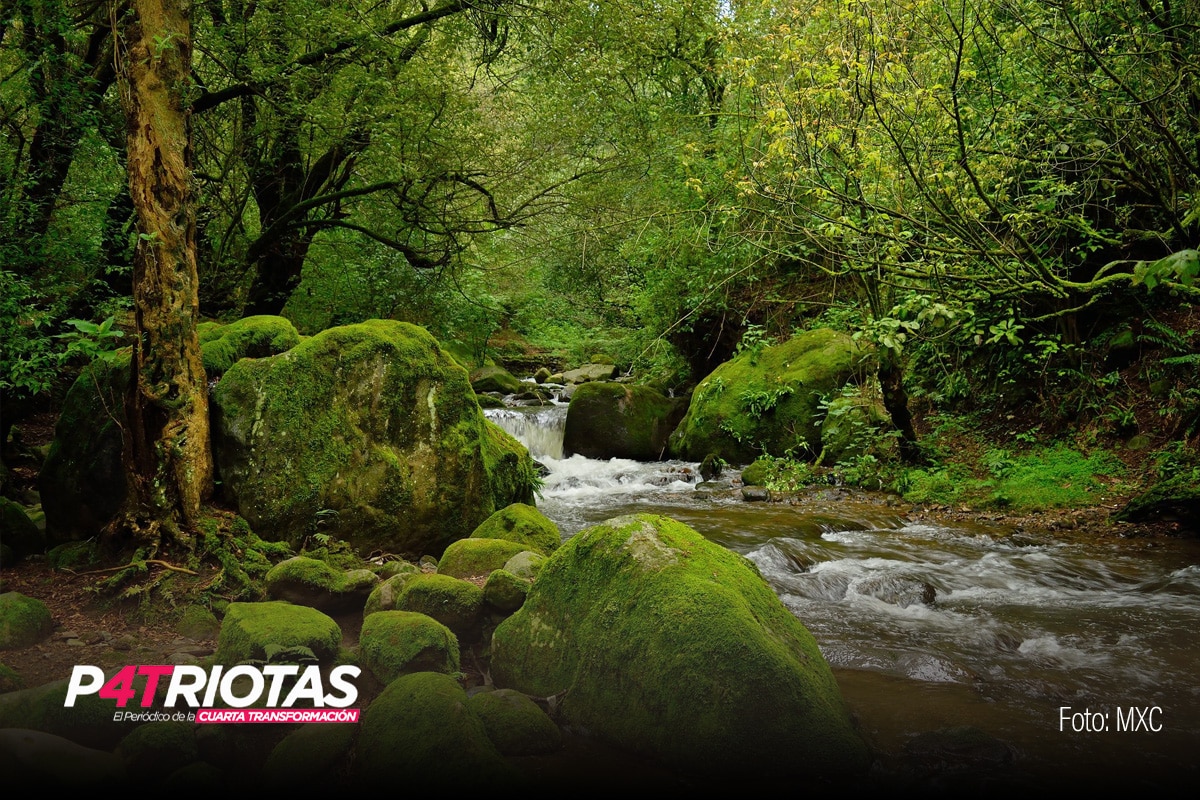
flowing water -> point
(1078, 653)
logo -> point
(274, 689)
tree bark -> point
(167, 450)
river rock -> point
(23, 621)
(588, 373)
(768, 400)
(311, 582)
(222, 346)
(524, 524)
(395, 643)
(494, 379)
(82, 482)
(422, 723)
(370, 429)
(614, 420)
(671, 646)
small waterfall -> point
(539, 429)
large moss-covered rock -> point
(455, 603)
(494, 379)
(395, 643)
(768, 399)
(36, 761)
(669, 645)
(852, 427)
(515, 724)
(153, 751)
(505, 592)
(1176, 499)
(387, 593)
(617, 420)
(221, 346)
(371, 421)
(522, 523)
(420, 732)
(310, 759)
(249, 629)
(23, 620)
(82, 482)
(468, 558)
(311, 582)
(18, 531)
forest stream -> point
(1050, 644)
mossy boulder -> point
(312, 582)
(82, 482)
(588, 373)
(494, 379)
(455, 603)
(374, 422)
(768, 400)
(671, 646)
(222, 346)
(386, 594)
(250, 629)
(198, 623)
(395, 643)
(505, 592)
(526, 564)
(1175, 499)
(24, 621)
(421, 731)
(515, 724)
(310, 759)
(617, 420)
(36, 761)
(852, 427)
(468, 558)
(154, 750)
(42, 708)
(522, 523)
(390, 569)
(756, 474)
(18, 531)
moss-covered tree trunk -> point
(167, 451)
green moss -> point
(197, 622)
(494, 379)
(249, 628)
(10, 681)
(674, 647)
(468, 558)
(421, 727)
(454, 603)
(82, 481)
(515, 724)
(309, 759)
(769, 399)
(616, 420)
(154, 750)
(395, 643)
(385, 596)
(526, 564)
(756, 473)
(23, 621)
(390, 569)
(504, 591)
(72, 555)
(18, 531)
(303, 575)
(370, 430)
(221, 346)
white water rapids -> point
(931, 627)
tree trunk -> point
(167, 451)
(895, 401)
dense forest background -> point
(999, 197)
